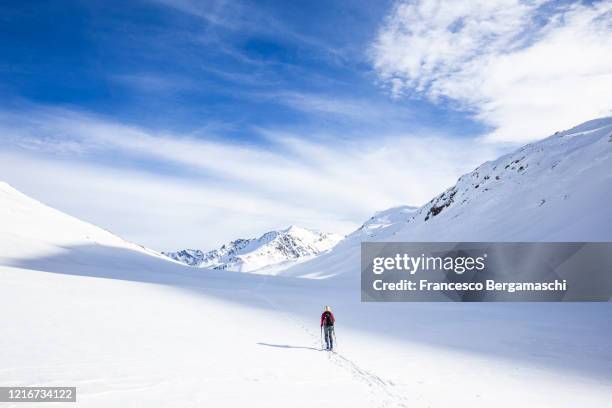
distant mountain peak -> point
(288, 245)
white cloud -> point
(221, 190)
(155, 210)
(356, 110)
(245, 18)
(526, 68)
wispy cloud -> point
(155, 82)
(239, 17)
(336, 106)
(316, 184)
(526, 68)
(216, 12)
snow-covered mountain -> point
(390, 220)
(31, 230)
(257, 254)
(132, 327)
(556, 189)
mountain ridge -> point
(275, 247)
(552, 190)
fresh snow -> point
(129, 327)
(30, 229)
(274, 250)
(555, 190)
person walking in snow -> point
(327, 326)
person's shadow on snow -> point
(287, 346)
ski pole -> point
(321, 336)
(335, 339)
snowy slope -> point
(30, 229)
(385, 222)
(557, 189)
(258, 254)
(131, 328)
(209, 340)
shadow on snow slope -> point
(569, 336)
(287, 346)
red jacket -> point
(332, 318)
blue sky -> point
(188, 123)
(201, 66)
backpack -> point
(328, 320)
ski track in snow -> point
(383, 391)
(390, 397)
